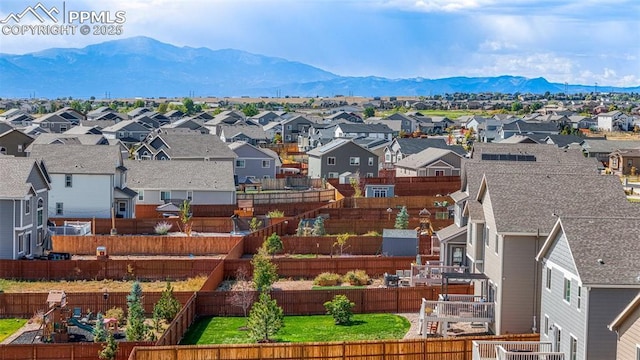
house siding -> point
(12, 139)
(152, 197)
(629, 336)
(520, 300)
(318, 167)
(6, 230)
(253, 163)
(492, 262)
(604, 306)
(97, 188)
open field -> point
(14, 286)
(319, 328)
(10, 326)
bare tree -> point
(243, 294)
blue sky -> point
(575, 41)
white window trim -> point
(546, 325)
(70, 182)
(267, 162)
(354, 161)
(27, 206)
(564, 290)
(549, 273)
(334, 160)
(140, 195)
(190, 195)
(61, 213)
(244, 163)
(21, 243)
(169, 192)
(575, 353)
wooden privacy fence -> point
(310, 268)
(146, 224)
(145, 245)
(25, 305)
(310, 302)
(180, 324)
(411, 202)
(284, 197)
(416, 349)
(75, 351)
(33, 270)
(215, 278)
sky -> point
(575, 41)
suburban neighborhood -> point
(504, 231)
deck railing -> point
(432, 274)
(484, 350)
(503, 354)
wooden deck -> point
(438, 314)
(514, 350)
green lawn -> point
(319, 328)
(9, 326)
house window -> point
(333, 175)
(486, 236)
(40, 212)
(68, 180)
(266, 163)
(165, 195)
(369, 175)
(614, 162)
(122, 134)
(21, 243)
(496, 244)
(240, 163)
(387, 157)
(63, 128)
(287, 137)
(379, 192)
(59, 208)
(439, 172)
(573, 350)
(567, 290)
(546, 325)
(27, 206)
(548, 278)
(288, 127)
(189, 195)
(122, 207)
(140, 195)
(370, 161)
(579, 297)
(3, 150)
(19, 147)
(354, 161)
(331, 160)
(40, 240)
(558, 339)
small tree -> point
(341, 241)
(341, 309)
(273, 244)
(167, 306)
(185, 217)
(99, 332)
(265, 319)
(369, 111)
(402, 219)
(136, 329)
(318, 227)
(110, 349)
(265, 273)
(355, 185)
(243, 292)
(255, 224)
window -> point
(354, 161)
(240, 163)
(548, 278)
(546, 325)
(27, 243)
(40, 238)
(567, 290)
(19, 147)
(266, 163)
(558, 339)
(27, 206)
(165, 195)
(333, 175)
(637, 352)
(370, 161)
(63, 128)
(379, 192)
(21, 243)
(122, 134)
(579, 297)
(59, 209)
(40, 212)
(387, 157)
(140, 195)
(496, 244)
(189, 195)
(573, 350)
(68, 180)
(439, 172)
(288, 127)
(486, 236)
(3, 150)
(122, 207)
(369, 175)
(614, 162)
(331, 160)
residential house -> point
(272, 130)
(318, 135)
(202, 183)
(253, 134)
(625, 162)
(184, 146)
(254, 162)
(430, 162)
(615, 121)
(188, 123)
(174, 115)
(408, 124)
(602, 148)
(582, 122)
(86, 180)
(394, 125)
(294, 127)
(356, 130)
(340, 156)
(589, 275)
(137, 112)
(563, 141)
(5, 116)
(627, 328)
(129, 132)
(54, 123)
(17, 118)
(521, 127)
(24, 198)
(84, 130)
(13, 141)
(403, 147)
(265, 117)
(348, 116)
(489, 130)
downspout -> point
(536, 288)
(13, 226)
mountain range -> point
(142, 66)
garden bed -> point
(300, 284)
(16, 286)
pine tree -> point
(265, 273)
(99, 332)
(265, 319)
(167, 306)
(273, 244)
(318, 227)
(110, 349)
(136, 329)
(402, 219)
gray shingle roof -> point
(423, 158)
(78, 159)
(365, 128)
(608, 146)
(410, 146)
(255, 132)
(195, 146)
(450, 232)
(180, 175)
(83, 139)
(14, 176)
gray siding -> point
(253, 163)
(604, 306)
(560, 254)
(342, 164)
(6, 229)
(629, 336)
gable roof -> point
(350, 127)
(332, 146)
(605, 249)
(129, 125)
(78, 159)
(193, 146)
(423, 158)
(410, 146)
(564, 140)
(255, 132)
(83, 139)
(14, 176)
(624, 314)
(180, 175)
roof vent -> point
(600, 261)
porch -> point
(515, 350)
(431, 273)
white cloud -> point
(435, 5)
(496, 45)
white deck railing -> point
(431, 274)
(508, 350)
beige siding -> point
(629, 336)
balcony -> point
(431, 273)
(452, 309)
(515, 350)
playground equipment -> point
(54, 322)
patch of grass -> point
(226, 330)
(9, 326)
(13, 286)
(302, 256)
(337, 287)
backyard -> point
(10, 326)
(18, 286)
(317, 328)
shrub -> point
(162, 228)
(273, 244)
(372, 233)
(356, 278)
(340, 308)
(275, 214)
(115, 313)
(327, 279)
